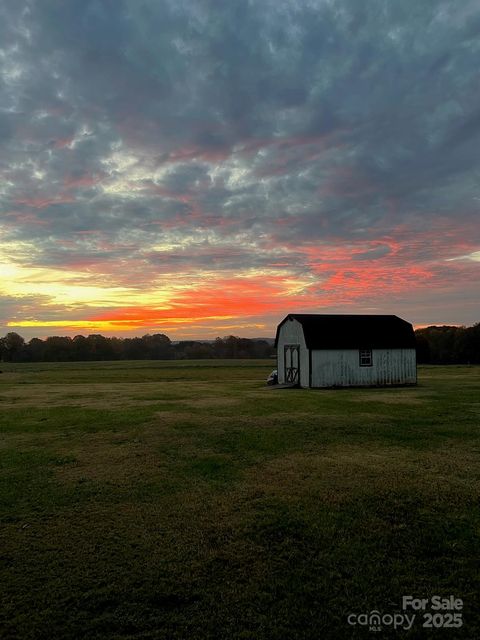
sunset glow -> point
(199, 177)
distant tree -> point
(198, 351)
(423, 349)
(262, 349)
(472, 344)
(448, 344)
(117, 345)
(81, 348)
(232, 346)
(99, 347)
(157, 347)
(58, 349)
(134, 349)
(12, 347)
(460, 346)
(219, 348)
(235, 347)
(186, 349)
(35, 350)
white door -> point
(292, 363)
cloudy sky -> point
(200, 168)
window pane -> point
(365, 357)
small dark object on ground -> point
(273, 377)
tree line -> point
(13, 348)
(435, 345)
(448, 345)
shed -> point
(320, 350)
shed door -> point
(292, 363)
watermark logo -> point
(438, 612)
(376, 621)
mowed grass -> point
(187, 500)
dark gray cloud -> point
(274, 124)
(25, 308)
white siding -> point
(291, 332)
(341, 368)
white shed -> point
(318, 350)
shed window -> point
(366, 359)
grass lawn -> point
(187, 500)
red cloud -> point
(87, 180)
(234, 297)
(42, 203)
(61, 143)
(15, 218)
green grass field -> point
(187, 500)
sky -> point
(203, 168)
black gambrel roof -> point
(324, 331)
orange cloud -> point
(217, 301)
(333, 277)
(220, 299)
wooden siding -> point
(341, 368)
(291, 332)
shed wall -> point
(291, 332)
(341, 368)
